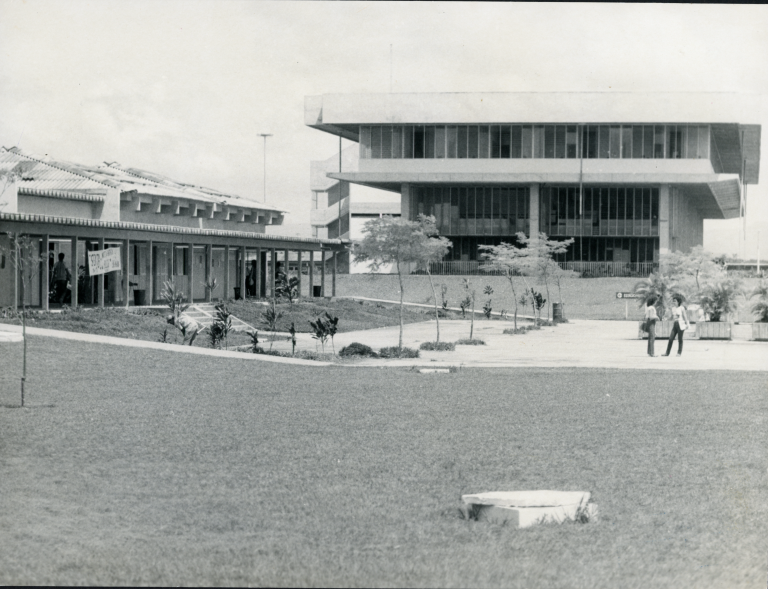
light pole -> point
(265, 135)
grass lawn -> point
(136, 467)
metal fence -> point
(586, 269)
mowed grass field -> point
(135, 467)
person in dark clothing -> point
(651, 317)
(251, 280)
(680, 318)
(61, 276)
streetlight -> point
(265, 135)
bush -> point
(395, 352)
(513, 331)
(301, 354)
(470, 342)
(356, 349)
(435, 347)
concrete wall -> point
(56, 207)
(129, 214)
(686, 223)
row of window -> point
(534, 141)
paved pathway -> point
(587, 344)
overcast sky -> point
(184, 88)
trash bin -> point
(317, 291)
(139, 297)
(557, 312)
(237, 293)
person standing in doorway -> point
(651, 317)
(251, 286)
(679, 325)
(61, 277)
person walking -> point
(61, 276)
(679, 325)
(651, 317)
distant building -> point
(166, 230)
(627, 175)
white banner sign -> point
(103, 261)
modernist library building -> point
(626, 175)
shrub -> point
(513, 331)
(301, 354)
(470, 342)
(438, 347)
(356, 349)
(395, 352)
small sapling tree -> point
(223, 323)
(433, 249)
(488, 291)
(508, 259)
(270, 317)
(471, 294)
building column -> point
(322, 276)
(191, 275)
(285, 262)
(127, 272)
(150, 273)
(298, 263)
(208, 264)
(334, 269)
(100, 278)
(533, 206)
(271, 277)
(257, 280)
(45, 278)
(311, 273)
(405, 203)
(15, 269)
(665, 220)
(243, 270)
(75, 273)
(226, 273)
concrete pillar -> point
(127, 272)
(285, 262)
(665, 221)
(271, 277)
(208, 264)
(405, 202)
(243, 271)
(322, 276)
(75, 272)
(299, 263)
(534, 226)
(15, 263)
(335, 268)
(258, 286)
(45, 276)
(311, 273)
(150, 273)
(226, 273)
(100, 278)
(191, 273)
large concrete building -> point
(165, 230)
(626, 175)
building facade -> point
(166, 231)
(627, 176)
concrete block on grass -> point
(523, 509)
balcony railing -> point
(586, 269)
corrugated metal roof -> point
(61, 194)
(47, 178)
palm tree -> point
(656, 286)
(719, 298)
(760, 308)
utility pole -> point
(265, 135)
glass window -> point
(615, 142)
(603, 148)
(648, 142)
(472, 141)
(418, 141)
(365, 142)
(462, 152)
(495, 141)
(482, 141)
(692, 142)
(549, 141)
(505, 141)
(516, 150)
(560, 141)
(674, 141)
(397, 142)
(589, 140)
(703, 142)
(453, 141)
(571, 138)
(429, 142)
(626, 142)
(408, 142)
(440, 142)
(527, 137)
(376, 142)
(538, 141)
(386, 143)
(637, 142)
(658, 142)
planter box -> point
(663, 329)
(760, 332)
(713, 330)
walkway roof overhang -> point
(92, 229)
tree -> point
(25, 261)
(434, 250)
(658, 287)
(506, 258)
(719, 298)
(691, 269)
(470, 298)
(540, 258)
(760, 308)
(387, 240)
